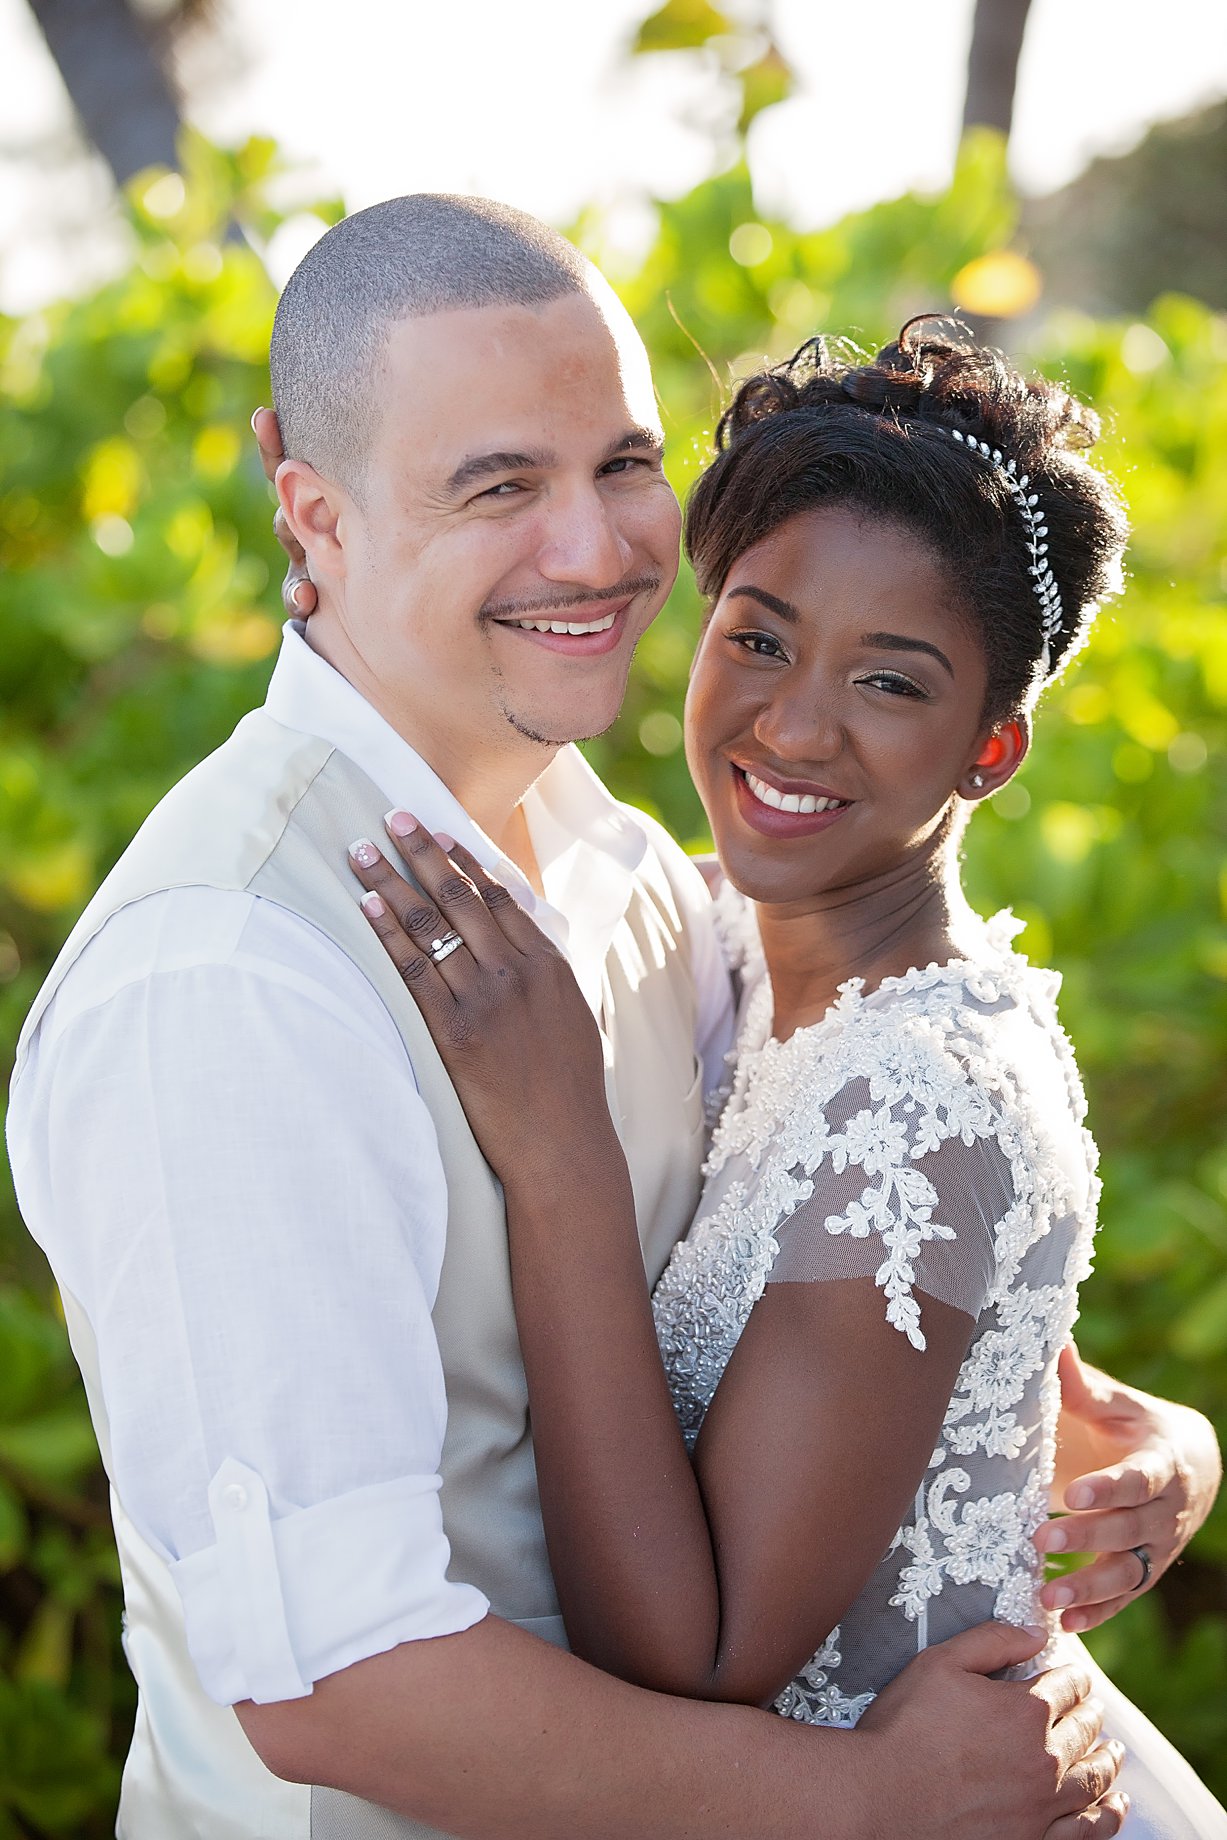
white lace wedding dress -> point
(928, 1134)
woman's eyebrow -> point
(898, 642)
(771, 602)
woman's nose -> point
(799, 726)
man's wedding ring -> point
(1140, 1552)
(440, 949)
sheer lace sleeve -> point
(898, 1200)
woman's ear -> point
(999, 755)
(314, 509)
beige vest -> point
(272, 812)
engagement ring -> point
(440, 949)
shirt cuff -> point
(276, 1604)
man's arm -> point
(230, 1167)
(1135, 1471)
(493, 1735)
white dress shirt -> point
(219, 1143)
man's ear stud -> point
(977, 780)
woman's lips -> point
(771, 820)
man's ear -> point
(999, 754)
(317, 511)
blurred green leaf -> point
(682, 25)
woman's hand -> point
(1137, 1472)
(502, 1006)
(298, 595)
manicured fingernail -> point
(254, 414)
(446, 844)
(1060, 1597)
(372, 904)
(1074, 1620)
(1082, 1495)
(364, 853)
(1054, 1539)
(1036, 1630)
(295, 591)
(400, 823)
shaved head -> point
(403, 259)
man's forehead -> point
(517, 380)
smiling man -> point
(282, 1256)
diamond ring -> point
(439, 949)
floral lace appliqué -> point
(930, 1052)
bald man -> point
(282, 1256)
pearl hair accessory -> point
(1043, 580)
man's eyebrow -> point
(646, 439)
(481, 466)
(772, 602)
(898, 642)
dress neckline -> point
(983, 976)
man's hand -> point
(1135, 1471)
(1009, 1758)
(297, 590)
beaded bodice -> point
(927, 1134)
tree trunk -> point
(118, 88)
(992, 64)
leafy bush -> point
(138, 619)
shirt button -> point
(234, 1495)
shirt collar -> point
(587, 845)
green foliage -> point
(138, 619)
(754, 69)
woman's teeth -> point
(788, 801)
(567, 626)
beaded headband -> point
(1043, 580)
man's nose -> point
(582, 542)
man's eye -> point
(504, 489)
(627, 463)
(894, 683)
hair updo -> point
(823, 431)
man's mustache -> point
(574, 597)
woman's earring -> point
(977, 780)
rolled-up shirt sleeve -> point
(226, 1158)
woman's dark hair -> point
(825, 430)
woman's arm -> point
(718, 1581)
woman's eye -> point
(894, 683)
(761, 644)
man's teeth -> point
(567, 626)
(788, 801)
